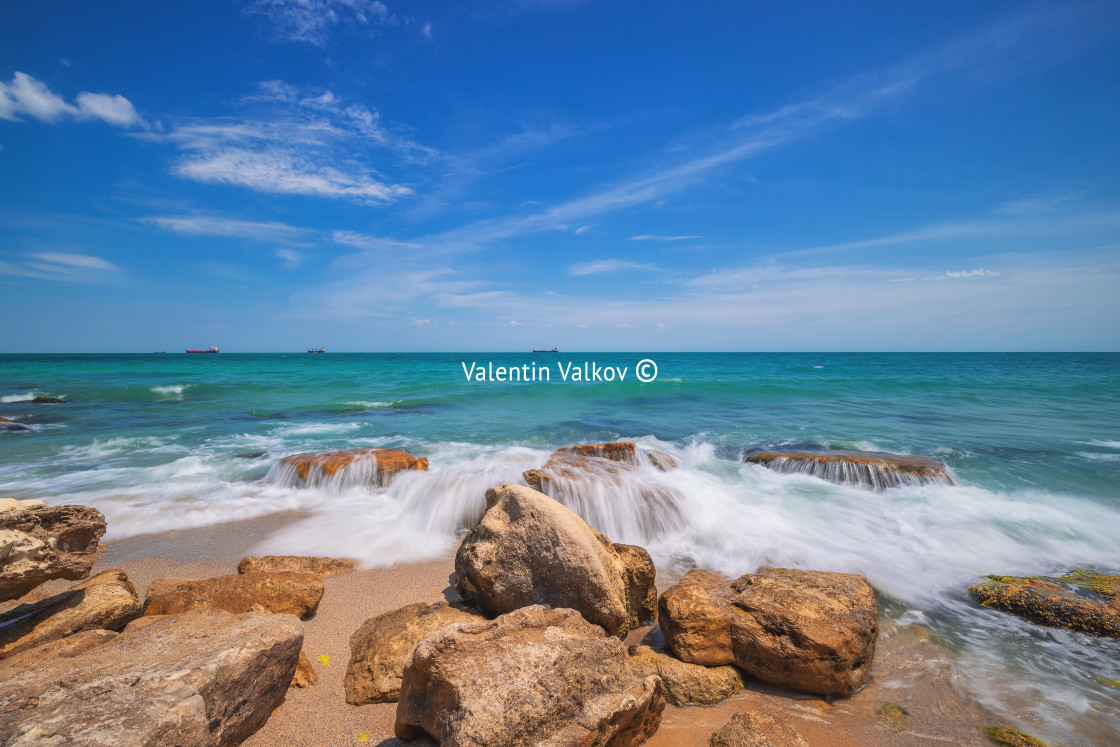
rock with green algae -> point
(1081, 600)
(1008, 737)
(895, 716)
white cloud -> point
(606, 265)
(313, 20)
(363, 241)
(62, 267)
(426, 30)
(291, 257)
(584, 229)
(648, 237)
(211, 226)
(26, 96)
(977, 273)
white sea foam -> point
(172, 392)
(318, 429)
(25, 397)
(370, 405)
(1105, 444)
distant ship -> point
(210, 349)
(317, 350)
(554, 350)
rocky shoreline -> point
(545, 632)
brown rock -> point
(321, 567)
(1080, 600)
(202, 679)
(63, 648)
(48, 401)
(106, 601)
(383, 645)
(687, 684)
(7, 424)
(372, 466)
(40, 543)
(641, 587)
(806, 630)
(528, 549)
(534, 676)
(282, 593)
(567, 461)
(305, 675)
(864, 468)
(16, 504)
(756, 730)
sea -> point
(172, 441)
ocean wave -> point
(370, 405)
(25, 397)
(172, 392)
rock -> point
(894, 716)
(567, 461)
(15, 504)
(7, 424)
(107, 601)
(528, 549)
(40, 543)
(1007, 737)
(305, 675)
(282, 593)
(383, 645)
(1080, 600)
(201, 679)
(756, 730)
(534, 676)
(360, 466)
(806, 630)
(321, 567)
(48, 401)
(63, 648)
(641, 589)
(687, 684)
(863, 468)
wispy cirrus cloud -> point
(202, 225)
(650, 237)
(26, 96)
(372, 243)
(977, 273)
(313, 20)
(61, 267)
(599, 266)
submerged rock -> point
(282, 593)
(354, 466)
(321, 567)
(686, 684)
(39, 543)
(1008, 737)
(534, 676)
(806, 630)
(756, 730)
(569, 461)
(528, 549)
(201, 679)
(1080, 600)
(863, 468)
(48, 401)
(7, 424)
(106, 601)
(380, 649)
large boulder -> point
(806, 630)
(281, 593)
(321, 567)
(756, 730)
(201, 679)
(862, 468)
(107, 601)
(687, 684)
(39, 543)
(534, 676)
(383, 645)
(375, 467)
(574, 462)
(1080, 600)
(528, 549)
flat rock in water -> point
(48, 401)
(281, 593)
(862, 468)
(687, 684)
(321, 567)
(574, 462)
(1081, 600)
(756, 730)
(7, 424)
(201, 679)
(368, 466)
(107, 601)
(382, 646)
(39, 543)
(535, 676)
(806, 630)
(529, 549)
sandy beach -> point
(909, 670)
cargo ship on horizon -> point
(210, 349)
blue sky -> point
(265, 175)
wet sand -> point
(909, 670)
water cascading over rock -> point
(339, 470)
(860, 468)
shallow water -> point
(169, 441)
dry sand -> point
(908, 669)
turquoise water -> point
(169, 441)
